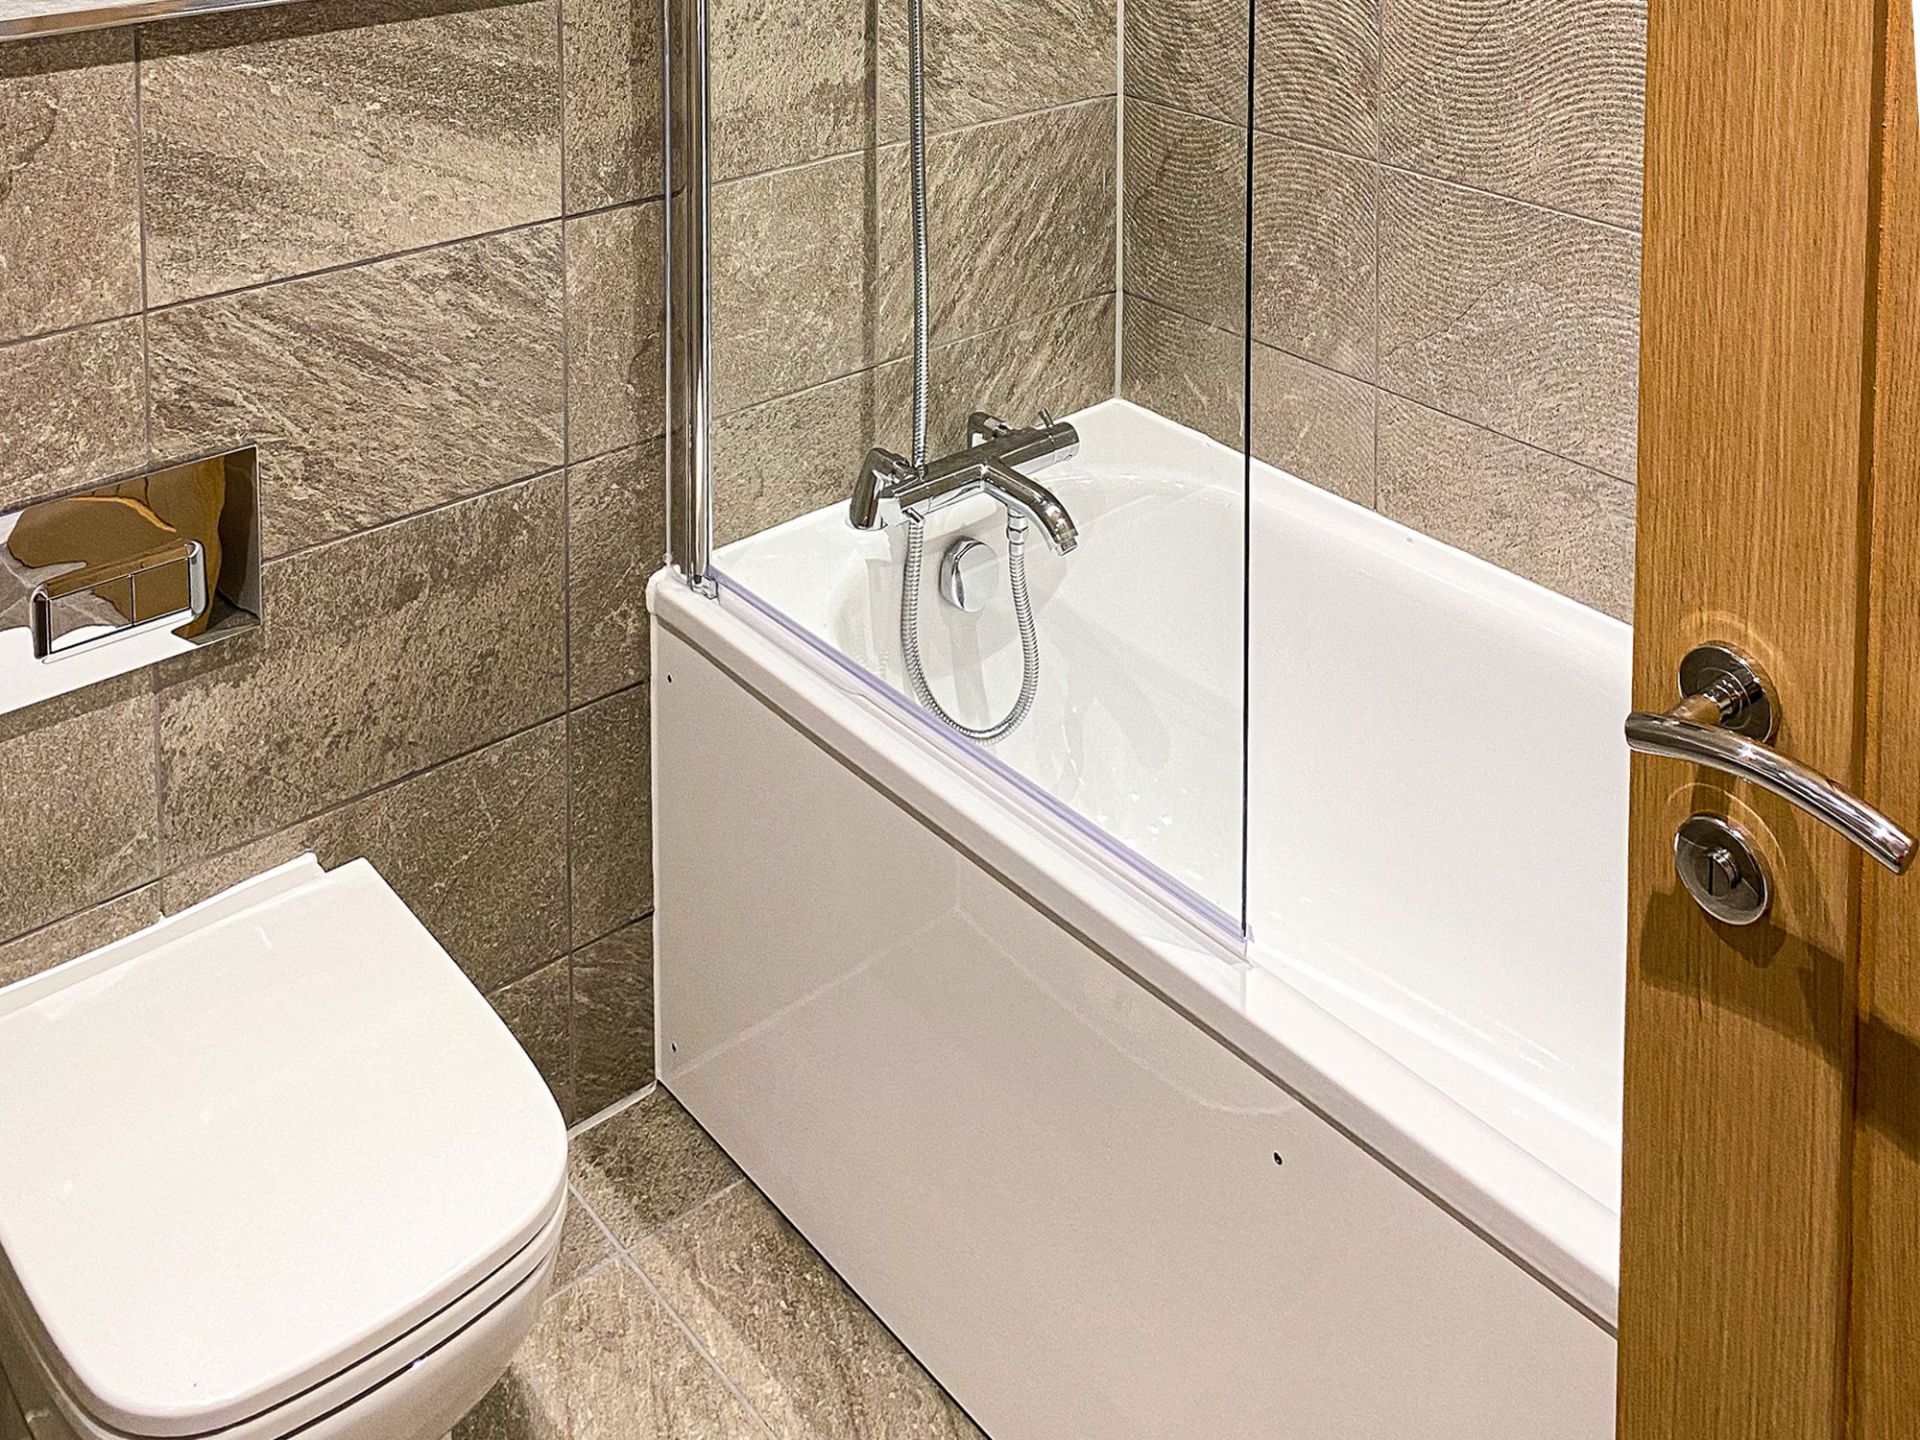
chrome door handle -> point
(1728, 714)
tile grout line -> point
(566, 563)
(1119, 193)
(876, 146)
(1389, 390)
(699, 1346)
(1394, 167)
(623, 1255)
(383, 257)
(894, 360)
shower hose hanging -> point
(916, 526)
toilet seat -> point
(485, 1325)
(263, 1160)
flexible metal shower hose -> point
(916, 528)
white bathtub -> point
(984, 1058)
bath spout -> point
(1024, 496)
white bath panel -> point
(1084, 1213)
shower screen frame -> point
(687, 107)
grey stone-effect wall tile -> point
(1185, 214)
(1557, 523)
(791, 82)
(1316, 70)
(477, 848)
(612, 123)
(80, 807)
(1315, 223)
(813, 266)
(1314, 423)
(1021, 221)
(988, 59)
(1186, 371)
(617, 538)
(1190, 55)
(794, 454)
(795, 257)
(1538, 99)
(613, 1017)
(61, 941)
(791, 455)
(616, 328)
(612, 814)
(1513, 317)
(539, 1012)
(377, 391)
(286, 140)
(75, 408)
(382, 655)
(69, 182)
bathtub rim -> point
(1511, 1199)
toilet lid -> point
(250, 1146)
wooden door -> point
(1772, 1120)
(1884, 1336)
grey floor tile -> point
(648, 1165)
(813, 1360)
(605, 1361)
(583, 1245)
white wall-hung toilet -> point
(271, 1166)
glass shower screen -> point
(977, 387)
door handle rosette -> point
(1728, 713)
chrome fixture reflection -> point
(1727, 713)
(915, 487)
(99, 582)
(969, 575)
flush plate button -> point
(1717, 862)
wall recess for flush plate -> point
(106, 580)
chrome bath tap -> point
(888, 485)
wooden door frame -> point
(1765, 1166)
